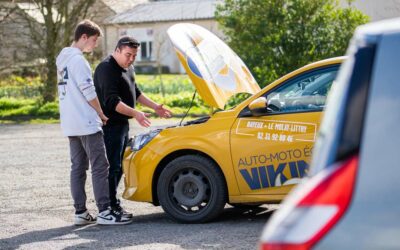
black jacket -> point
(114, 84)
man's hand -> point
(103, 118)
(162, 112)
(141, 118)
(96, 106)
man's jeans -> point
(84, 149)
(115, 139)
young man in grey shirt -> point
(81, 120)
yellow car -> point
(249, 155)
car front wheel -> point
(192, 189)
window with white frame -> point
(146, 50)
(146, 37)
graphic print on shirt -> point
(62, 84)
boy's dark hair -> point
(86, 27)
(127, 41)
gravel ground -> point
(36, 207)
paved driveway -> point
(36, 207)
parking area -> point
(36, 208)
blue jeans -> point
(115, 139)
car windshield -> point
(305, 94)
(320, 86)
(316, 85)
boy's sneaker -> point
(124, 213)
(84, 219)
(112, 217)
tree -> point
(160, 53)
(274, 37)
(53, 33)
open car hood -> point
(215, 70)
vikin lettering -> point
(268, 176)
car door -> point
(271, 151)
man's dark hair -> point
(86, 27)
(127, 41)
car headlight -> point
(140, 140)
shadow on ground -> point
(150, 230)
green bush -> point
(11, 108)
(173, 84)
(20, 87)
(12, 103)
(179, 104)
(19, 110)
(236, 99)
(178, 100)
(179, 112)
(49, 109)
(278, 36)
(20, 97)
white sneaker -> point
(124, 213)
(84, 219)
(111, 217)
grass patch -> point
(23, 111)
(170, 84)
(12, 109)
(20, 87)
(20, 98)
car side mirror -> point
(258, 107)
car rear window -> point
(356, 100)
(341, 129)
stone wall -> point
(17, 48)
(16, 45)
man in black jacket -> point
(118, 93)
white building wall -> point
(377, 9)
(162, 51)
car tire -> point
(191, 189)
